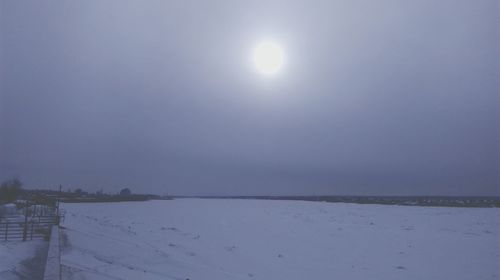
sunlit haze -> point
(268, 58)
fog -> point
(375, 98)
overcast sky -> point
(376, 97)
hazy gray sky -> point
(376, 97)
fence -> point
(34, 223)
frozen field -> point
(210, 239)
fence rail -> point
(34, 223)
(22, 231)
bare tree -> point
(10, 189)
(125, 192)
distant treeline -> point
(11, 191)
(449, 201)
(111, 198)
(82, 196)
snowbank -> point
(53, 264)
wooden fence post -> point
(25, 231)
(31, 235)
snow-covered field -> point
(229, 239)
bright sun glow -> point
(268, 58)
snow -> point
(269, 239)
(14, 256)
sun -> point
(268, 58)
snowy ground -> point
(22, 260)
(263, 239)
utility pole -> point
(57, 205)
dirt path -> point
(31, 268)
